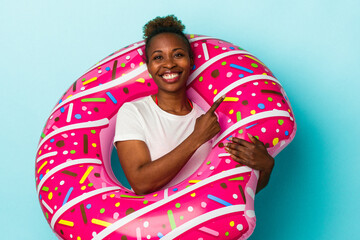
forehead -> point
(165, 41)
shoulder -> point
(138, 105)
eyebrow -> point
(175, 49)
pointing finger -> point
(216, 104)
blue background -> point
(312, 46)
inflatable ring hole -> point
(117, 169)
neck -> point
(177, 104)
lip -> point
(172, 79)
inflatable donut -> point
(78, 192)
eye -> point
(158, 57)
(179, 55)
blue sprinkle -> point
(67, 195)
(241, 75)
(261, 106)
(193, 68)
(107, 69)
(229, 138)
(250, 126)
(219, 200)
(40, 197)
(60, 101)
(77, 116)
(241, 68)
(286, 133)
(285, 98)
(41, 176)
(112, 98)
(232, 48)
(62, 109)
(175, 189)
(88, 206)
(160, 235)
(52, 140)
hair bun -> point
(159, 23)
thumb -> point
(252, 138)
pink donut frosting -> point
(78, 192)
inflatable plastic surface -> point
(78, 192)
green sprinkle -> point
(216, 47)
(171, 219)
(270, 99)
(45, 189)
(257, 137)
(47, 215)
(241, 131)
(128, 196)
(150, 75)
(235, 179)
(178, 205)
(93, 100)
(90, 184)
(280, 122)
(102, 210)
(93, 131)
(123, 64)
(201, 78)
(227, 234)
(266, 82)
(223, 63)
(43, 135)
(181, 217)
(72, 151)
(238, 116)
(240, 48)
(84, 79)
(208, 162)
(145, 202)
(254, 65)
(56, 188)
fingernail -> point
(230, 138)
(250, 136)
(226, 144)
(224, 96)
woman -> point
(162, 139)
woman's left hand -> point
(253, 155)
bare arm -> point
(145, 175)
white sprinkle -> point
(190, 209)
(224, 48)
(51, 161)
(212, 168)
(132, 65)
(94, 234)
(250, 213)
(127, 57)
(263, 129)
(203, 204)
(65, 152)
(278, 104)
(116, 215)
(196, 44)
(140, 51)
(89, 112)
(239, 227)
(148, 236)
(229, 74)
(75, 143)
(55, 207)
(206, 53)
(235, 196)
(62, 182)
(253, 94)
(238, 93)
(82, 88)
(229, 121)
(71, 236)
(199, 56)
(277, 130)
(256, 83)
(228, 161)
(99, 71)
(146, 224)
(210, 86)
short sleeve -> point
(128, 124)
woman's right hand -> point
(207, 125)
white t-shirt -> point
(161, 131)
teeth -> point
(170, 76)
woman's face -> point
(169, 62)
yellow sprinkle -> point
(94, 144)
(194, 181)
(83, 187)
(231, 99)
(193, 194)
(215, 91)
(192, 36)
(41, 167)
(117, 204)
(275, 141)
(86, 174)
(99, 67)
(112, 195)
(289, 110)
(90, 80)
(274, 83)
(264, 74)
(39, 152)
(47, 170)
(141, 80)
(100, 222)
(66, 223)
(78, 238)
(254, 59)
(155, 194)
(253, 112)
(231, 111)
(123, 74)
(232, 224)
(141, 63)
(50, 196)
(68, 96)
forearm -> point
(153, 175)
(263, 180)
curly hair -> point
(167, 24)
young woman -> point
(162, 139)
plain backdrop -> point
(312, 46)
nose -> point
(169, 63)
